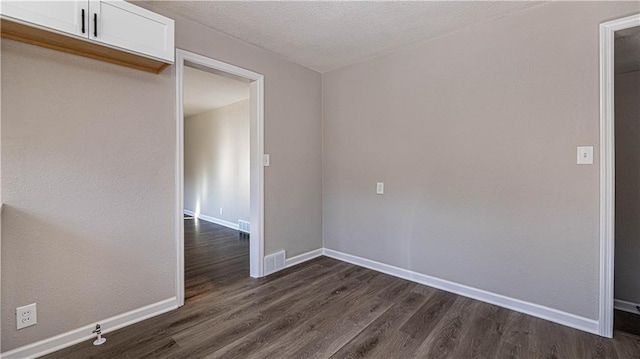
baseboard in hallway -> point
(211, 219)
(627, 306)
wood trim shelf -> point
(56, 41)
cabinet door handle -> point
(83, 21)
(95, 24)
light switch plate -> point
(266, 160)
(585, 155)
(380, 188)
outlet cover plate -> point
(26, 316)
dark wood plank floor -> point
(214, 258)
(325, 308)
(627, 322)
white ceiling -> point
(326, 35)
(628, 50)
(204, 91)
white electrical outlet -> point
(220, 210)
(26, 316)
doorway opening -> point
(219, 173)
(612, 70)
(627, 181)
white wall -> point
(475, 136)
(627, 256)
(216, 162)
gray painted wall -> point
(88, 178)
(627, 257)
(475, 136)
(87, 153)
(216, 162)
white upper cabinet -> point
(114, 23)
(63, 16)
(124, 25)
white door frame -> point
(256, 241)
(607, 168)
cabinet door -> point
(124, 25)
(70, 17)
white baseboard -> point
(76, 336)
(219, 221)
(290, 262)
(626, 306)
(536, 310)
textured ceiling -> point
(628, 50)
(328, 35)
(204, 91)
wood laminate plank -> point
(482, 337)
(397, 290)
(551, 340)
(211, 336)
(591, 346)
(335, 331)
(514, 343)
(376, 334)
(627, 346)
(447, 334)
(421, 324)
(297, 320)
